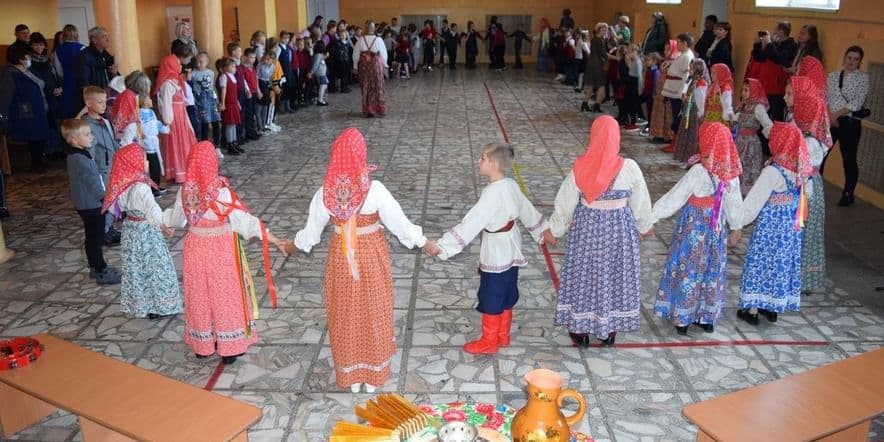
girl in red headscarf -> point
(720, 97)
(694, 278)
(812, 68)
(771, 282)
(358, 275)
(685, 144)
(219, 295)
(806, 102)
(604, 206)
(170, 89)
(661, 115)
(750, 115)
(150, 283)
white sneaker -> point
(370, 388)
(560, 77)
(220, 155)
(275, 128)
(355, 387)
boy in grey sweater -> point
(103, 147)
(87, 192)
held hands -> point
(735, 237)
(167, 231)
(548, 238)
(649, 234)
(288, 247)
(431, 248)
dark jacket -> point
(22, 101)
(87, 189)
(703, 44)
(657, 38)
(722, 54)
(768, 65)
(90, 69)
(46, 72)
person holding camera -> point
(847, 92)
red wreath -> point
(18, 352)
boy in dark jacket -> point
(87, 192)
(104, 146)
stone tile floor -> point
(426, 149)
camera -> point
(762, 34)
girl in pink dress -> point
(220, 306)
(173, 111)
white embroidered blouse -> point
(700, 183)
(240, 221)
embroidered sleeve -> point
(317, 218)
(733, 205)
(567, 200)
(242, 222)
(676, 198)
(394, 218)
(531, 218)
(458, 237)
(767, 182)
(174, 216)
(640, 200)
(139, 197)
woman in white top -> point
(676, 78)
(370, 64)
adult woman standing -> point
(808, 44)
(721, 50)
(65, 55)
(170, 89)
(42, 67)
(371, 67)
(22, 100)
(847, 92)
(594, 75)
(184, 31)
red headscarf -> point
(757, 95)
(202, 183)
(790, 150)
(125, 111)
(170, 69)
(595, 170)
(346, 185)
(809, 110)
(718, 152)
(722, 79)
(673, 49)
(812, 68)
(128, 169)
(544, 24)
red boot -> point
(488, 342)
(503, 334)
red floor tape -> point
(214, 377)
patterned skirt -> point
(687, 140)
(661, 114)
(601, 286)
(360, 313)
(176, 145)
(150, 283)
(694, 278)
(216, 313)
(371, 80)
(772, 272)
(752, 157)
(813, 248)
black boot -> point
(227, 360)
(609, 342)
(846, 199)
(708, 328)
(199, 356)
(597, 108)
(771, 316)
(584, 107)
(751, 319)
(231, 149)
(683, 330)
(579, 339)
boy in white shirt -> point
(501, 255)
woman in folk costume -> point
(694, 278)
(604, 206)
(124, 115)
(220, 302)
(661, 113)
(170, 89)
(358, 275)
(371, 67)
(771, 281)
(752, 111)
(150, 284)
(811, 114)
(686, 140)
(720, 96)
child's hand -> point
(735, 238)
(167, 231)
(431, 248)
(549, 238)
(288, 247)
(222, 107)
(649, 234)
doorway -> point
(328, 9)
(716, 7)
(78, 13)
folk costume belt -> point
(783, 199)
(673, 77)
(223, 229)
(702, 202)
(509, 226)
(18, 352)
(606, 204)
(364, 230)
(135, 219)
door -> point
(328, 9)
(716, 7)
(78, 13)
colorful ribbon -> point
(716, 206)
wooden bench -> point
(116, 401)
(835, 402)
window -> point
(828, 5)
(665, 2)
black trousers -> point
(675, 104)
(153, 166)
(471, 59)
(776, 112)
(847, 136)
(631, 103)
(93, 225)
(648, 101)
(452, 56)
(194, 121)
(36, 149)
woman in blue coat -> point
(23, 102)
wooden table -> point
(116, 401)
(835, 402)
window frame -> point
(801, 7)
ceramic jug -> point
(541, 419)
